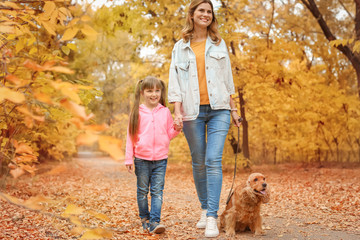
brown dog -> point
(243, 208)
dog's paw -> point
(230, 233)
(259, 232)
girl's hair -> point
(148, 83)
(212, 29)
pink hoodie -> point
(156, 129)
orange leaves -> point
(112, 146)
(87, 139)
(13, 96)
(15, 80)
(97, 233)
(76, 109)
(28, 113)
(23, 161)
(72, 209)
(48, 66)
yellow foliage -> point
(72, 209)
(69, 34)
(13, 96)
(97, 233)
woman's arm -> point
(234, 114)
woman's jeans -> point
(206, 137)
(150, 174)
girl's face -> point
(203, 16)
(151, 97)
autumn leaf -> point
(57, 170)
(89, 32)
(112, 146)
(77, 230)
(75, 220)
(100, 216)
(97, 128)
(24, 148)
(72, 209)
(28, 158)
(32, 65)
(15, 80)
(28, 113)
(97, 233)
(11, 198)
(17, 172)
(76, 109)
(86, 139)
(42, 97)
(50, 27)
(13, 96)
(28, 168)
(61, 69)
(69, 34)
(36, 202)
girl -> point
(201, 85)
(149, 133)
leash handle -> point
(237, 148)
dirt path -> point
(306, 203)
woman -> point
(200, 86)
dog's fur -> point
(243, 209)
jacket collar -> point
(209, 43)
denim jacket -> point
(183, 81)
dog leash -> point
(237, 148)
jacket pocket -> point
(183, 71)
(217, 60)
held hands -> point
(178, 123)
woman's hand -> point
(178, 117)
(236, 118)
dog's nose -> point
(264, 184)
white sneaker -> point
(211, 229)
(202, 222)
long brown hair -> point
(148, 83)
(189, 25)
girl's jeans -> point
(206, 137)
(150, 174)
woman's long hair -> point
(212, 29)
(148, 83)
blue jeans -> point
(206, 137)
(150, 174)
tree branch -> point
(342, 4)
(311, 5)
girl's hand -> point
(236, 118)
(129, 167)
(177, 127)
(178, 121)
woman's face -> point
(203, 16)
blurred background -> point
(69, 68)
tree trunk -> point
(275, 150)
(244, 123)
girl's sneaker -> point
(145, 224)
(156, 227)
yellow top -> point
(199, 50)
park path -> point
(301, 207)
